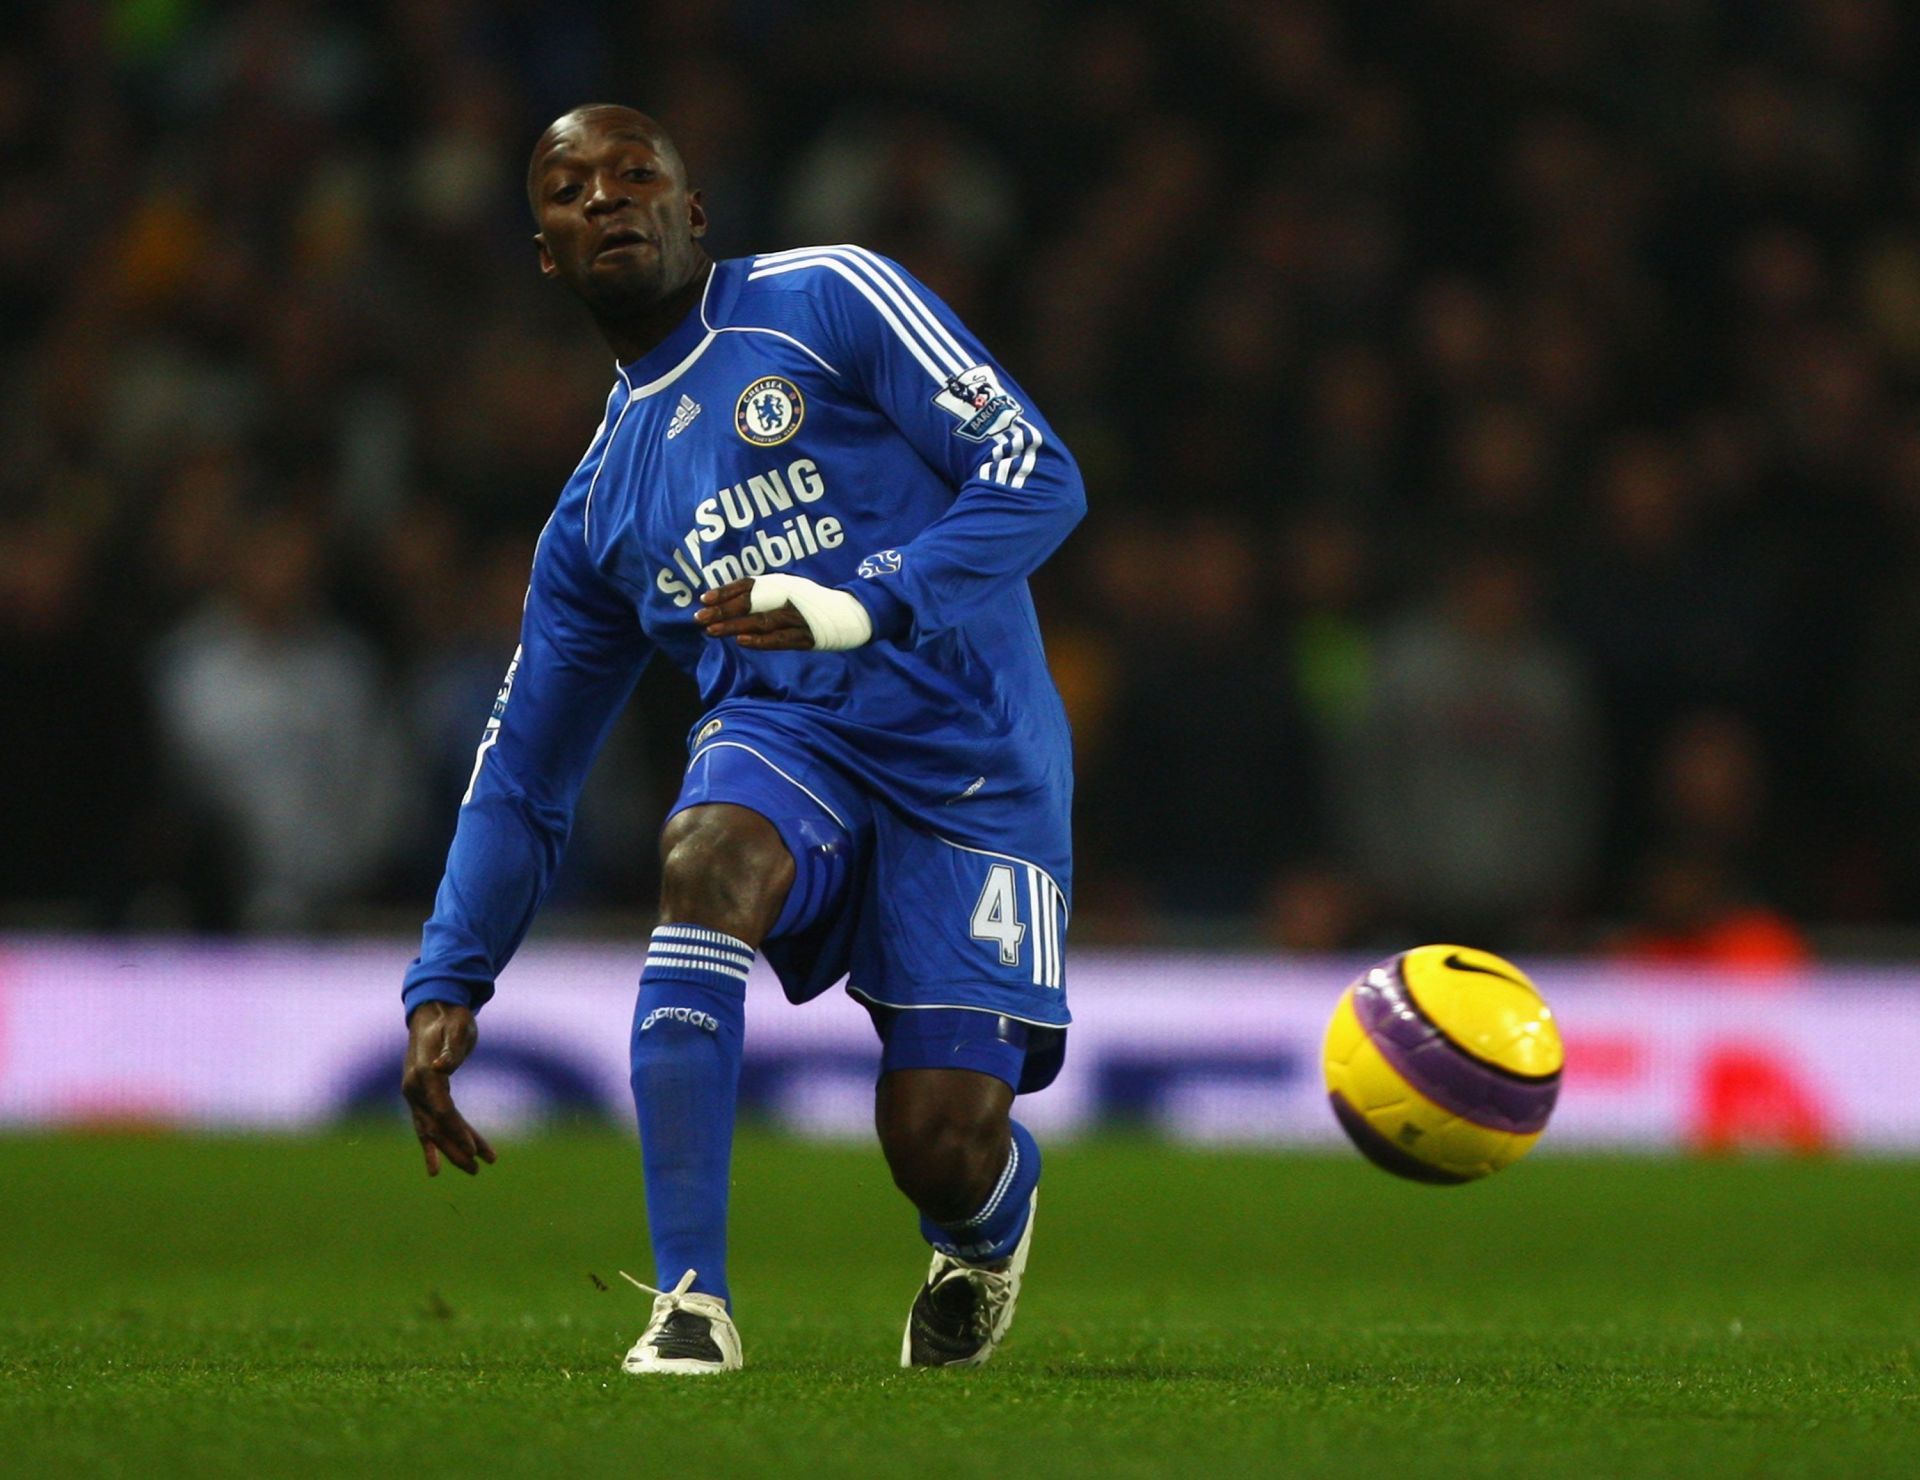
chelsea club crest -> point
(769, 411)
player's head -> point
(617, 221)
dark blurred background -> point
(1501, 419)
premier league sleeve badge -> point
(974, 398)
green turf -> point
(302, 1306)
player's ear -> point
(696, 214)
(547, 269)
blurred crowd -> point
(1501, 421)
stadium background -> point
(1502, 423)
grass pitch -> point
(318, 1306)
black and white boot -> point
(688, 1335)
(963, 1311)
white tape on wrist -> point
(836, 620)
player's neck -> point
(632, 332)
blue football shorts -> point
(957, 952)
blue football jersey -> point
(822, 414)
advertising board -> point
(1200, 1048)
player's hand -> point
(439, 1038)
(728, 612)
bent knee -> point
(945, 1158)
(726, 868)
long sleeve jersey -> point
(820, 413)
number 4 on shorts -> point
(996, 916)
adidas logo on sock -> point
(683, 416)
(692, 1016)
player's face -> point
(617, 222)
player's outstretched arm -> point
(579, 655)
(439, 1038)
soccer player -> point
(815, 492)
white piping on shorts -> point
(736, 745)
(1012, 858)
(853, 991)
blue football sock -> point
(687, 1031)
(992, 1233)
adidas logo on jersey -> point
(683, 416)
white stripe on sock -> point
(678, 964)
(704, 953)
(700, 936)
(999, 1191)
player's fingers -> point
(413, 1085)
(735, 616)
(790, 639)
(735, 599)
(456, 1140)
(443, 1140)
(427, 1148)
(435, 1094)
(785, 620)
(483, 1147)
(436, 1117)
(773, 621)
(740, 589)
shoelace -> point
(673, 1299)
(993, 1287)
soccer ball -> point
(1443, 1064)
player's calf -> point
(726, 875)
(688, 1025)
(973, 1172)
(945, 1134)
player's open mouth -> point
(613, 241)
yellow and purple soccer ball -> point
(1443, 1064)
